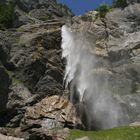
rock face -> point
(115, 40)
(51, 113)
(4, 88)
(31, 68)
(36, 11)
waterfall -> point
(87, 81)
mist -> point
(87, 80)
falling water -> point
(88, 82)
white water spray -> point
(88, 82)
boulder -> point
(53, 134)
(83, 138)
(135, 124)
(3, 137)
(52, 112)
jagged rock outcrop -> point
(51, 113)
(36, 11)
(31, 68)
(37, 69)
(115, 40)
(55, 112)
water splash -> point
(88, 81)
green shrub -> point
(103, 10)
(120, 3)
(47, 17)
(6, 15)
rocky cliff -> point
(31, 68)
(116, 44)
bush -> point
(103, 10)
(6, 15)
(120, 3)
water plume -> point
(87, 80)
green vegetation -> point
(120, 3)
(6, 15)
(103, 10)
(123, 133)
(15, 81)
(47, 17)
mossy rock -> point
(7, 15)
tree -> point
(103, 10)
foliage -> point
(6, 15)
(47, 17)
(123, 133)
(120, 3)
(103, 10)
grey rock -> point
(3, 137)
(4, 88)
(36, 11)
(135, 124)
(18, 96)
(5, 47)
(115, 40)
(55, 112)
(83, 138)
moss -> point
(17, 81)
(21, 29)
(7, 15)
(135, 88)
(122, 133)
(47, 17)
